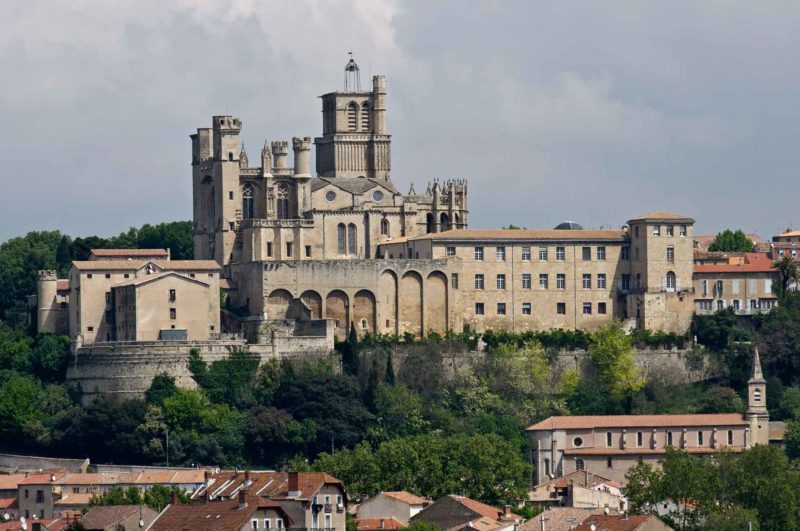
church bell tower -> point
(757, 415)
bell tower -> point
(354, 142)
(757, 415)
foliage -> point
(162, 387)
(779, 339)
(613, 356)
(227, 381)
(157, 497)
(731, 242)
(788, 272)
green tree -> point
(159, 496)
(792, 437)
(227, 381)
(162, 387)
(733, 518)
(50, 357)
(788, 272)
(731, 242)
(718, 399)
(388, 378)
(614, 358)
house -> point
(560, 519)
(741, 281)
(313, 500)
(36, 493)
(118, 518)
(579, 489)
(246, 512)
(609, 522)
(378, 524)
(459, 512)
(399, 505)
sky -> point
(588, 111)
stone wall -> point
(12, 463)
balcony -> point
(276, 223)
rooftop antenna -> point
(352, 75)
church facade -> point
(345, 245)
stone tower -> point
(354, 142)
(757, 415)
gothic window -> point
(283, 202)
(429, 223)
(351, 239)
(352, 116)
(340, 238)
(365, 116)
(444, 220)
(385, 227)
(247, 202)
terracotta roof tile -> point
(662, 216)
(102, 517)
(62, 285)
(129, 252)
(75, 498)
(213, 516)
(407, 497)
(133, 265)
(560, 518)
(371, 524)
(270, 484)
(46, 476)
(753, 263)
(638, 421)
(10, 481)
(8, 503)
(481, 508)
(523, 234)
(615, 523)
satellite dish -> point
(606, 511)
(6, 516)
(23, 522)
(593, 527)
(552, 476)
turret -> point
(243, 162)
(757, 415)
(280, 152)
(379, 104)
(302, 156)
(226, 138)
(266, 162)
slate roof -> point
(638, 421)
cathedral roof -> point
(354, 185)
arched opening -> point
(385, 227)
(456, 221)
(313, 302)
(436, 310)
(247, 203)
(411, 308)
(283, 201)
(365, 310)
(341, 237)
(337, 308)
(444, 221)
(579, 465)
(351, 239)
(672, 281)
(278, 304)
(352, 116)
(429, 223)
(388, 296)
(365, 116)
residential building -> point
(579, 489)
(118, 518)
(459, 512)
(740, 281)
(399, 505)
(246, 512)
(560, 519)
(378, 524)
(604, 522)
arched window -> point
(351, 239)
(212, 206)
(363, 324)
(608, 439)
(340, 238)
(579, 464)
(352, 116)
(429, 223)
(385, 227)
(365, 116)
(247, 202)
(671, 281)
(283, 202)
(669, 438)
(444, 221)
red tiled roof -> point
(753, 263)
(663, 216)
(406, 497)
(62, 285)
(481, 508)
(615, 523)
(8, 503)
(213, 516)
(132, 265)
(105, 516)
(75, 498)
(372, 524)
(10, 481)
(46, 476)
(270, 484)
(521, 234)
(638, 421)
(129, 252)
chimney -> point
(294, 484)
(247, 481)
(506, 511)
(174, 498)
(206, 476)
(242, 498)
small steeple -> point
(352, 75)
(243, 162)
(758, 376)
(411, 190)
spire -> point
(243, 162)
(757, 376)
(352, 75)
(411, 190)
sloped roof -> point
(213, 516)
(406, 497)
(45, 476)
(752, 263)
(662, 216)
(481, 508)
(615, 523)
(133, 265)
(62, 285)
(560, 518)
(8, 503)
(354, 185)
(129, 252)
(638, 421)
(75, 498)
(104, 516)
(10, 481)
(365, 524)
(138, 281)
(270, 484)
(524, 234)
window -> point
(586, 254)
(288, 249)
(385, 227)
(636, 231)
(670, 230)
(542, 254)
(454, 280)
(89, 275)
(283, 202)
(451, 251)
(625, 281)
(127, 275)
(608, 438)
(90, 329)
(721, 305)
(656, 230)
(26, 493)
(269, 249)
(173, 313)
(601, 253)
(670, 254)
(577, 442)
(587, 281)
(526, 308)
(479, 308)
(736, 304)
(351, 239)
(561, 281)
(543, 280)
(609, 462)
(254, 524)
(601, 308)
(730, 437)
(637, 254)
(526, 281)
(341, 236)
(501, 282)
(625, 253)
(672, 281)
(478, 254)
(279, 523)
(39, 496)
(330, 196)
(172, 295)
(501, 308)
(247, 203)
(308, 251)
(352, 116)
(108, 296)
(561, 253)
(109, 316)
(501, 254)
(639, 438)
(479, 281)
(757, 396)
(638, 281)
(587, 308)
(561, 308)
(699, 438)
(365, 117)
(546, 466)
(526, 254)
(704, 305)
(108, 275)
(267, 524)
(579, 464)
(682, 230)
(601, 281)
(669, 438)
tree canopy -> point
(731, 242)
